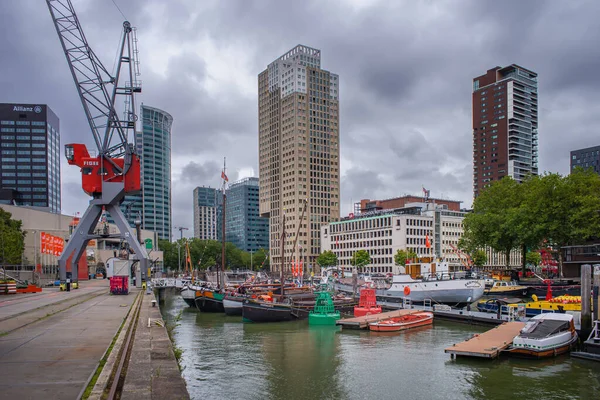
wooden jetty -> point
(363, 322)
(488, 344)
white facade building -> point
(383, 233)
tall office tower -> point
(299, 153)
(505, 125)
(207, 203)
(155, 142)
(244, 227)
(30, 156)
(586, 158)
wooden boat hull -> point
(233, 306)
(253, 311)
(402, 323)
(209, 301)
(189, 296)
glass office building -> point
(244, 227)
(30, 156)
(153, 205)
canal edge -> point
(106, 365)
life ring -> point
(406, 290)
(335, 275)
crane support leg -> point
(112, 195)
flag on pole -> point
(224, 177)
(427, 242)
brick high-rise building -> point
(298, 113)
(505, 125)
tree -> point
(402, 256)
(568, 208)
(261, 259)
(479, 258)
(360, 259)
(496, 220)
(12, 239)
(327, 259)
(533, 258)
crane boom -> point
(115, 170)
(97, 88)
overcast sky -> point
(406, 70)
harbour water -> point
(224, 358)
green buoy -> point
(324, 313)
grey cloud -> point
(199, 173)
(405, 74)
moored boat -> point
(545, 335)
(402, 323)
(435, 289)
(504, 288)
(232, 305)
(265, 311)
(209, 300)
(558, 304)
(188, 294)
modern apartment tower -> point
(586, 158)
(299, 153)
(155, 143)
(244, 227)
(207, 202)
(30, 156)
(505, 125)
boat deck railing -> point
(595, 334)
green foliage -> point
(207, 253)
(494, 221)
(360, 259)
(534, 258)
(561, 210)
(327, 259)
(12, 239)
(402, 256)
(479, 258)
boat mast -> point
(295, 248)
(224, 176)
(282, 254)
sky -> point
(405, 67)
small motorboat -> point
(506, 289)
(545, 335)
(402, 323)
(367, 305)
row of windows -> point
(24, 174)
(35, 123)
(24, 145)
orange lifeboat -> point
(367, 305)
(401, 323)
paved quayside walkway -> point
(51, 342)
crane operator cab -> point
(95, 170)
